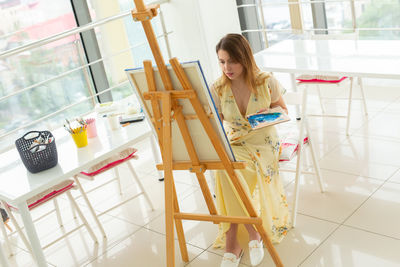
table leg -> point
(299, 164)
(3, 258)
(294, 86)
(32, 235)
(156, 155)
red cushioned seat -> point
(51, 195)
(289, 148)
(319, 79)
(111, 162)
(48, 194)
(44, 197)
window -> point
(24, 75)
(277, 21)
(379, 15)
(373, 19)
(43, 84)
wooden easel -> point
(162, 122)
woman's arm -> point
(280, 103)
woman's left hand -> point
(263, 110)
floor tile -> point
(200, 234)
(208, 259)
(78, 248)
(23, 259)
(380, 213)
(363, 156)
(144, 248)
(298, 244)
(396, 177)
(380, 126)
(349, 247)
(343, 194)
(137, 210)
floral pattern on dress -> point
(260, 150)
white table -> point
(352, 58)
(17, 184)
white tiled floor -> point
(355, 223)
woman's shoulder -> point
(218, 84)
(262, 77)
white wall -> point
(113, 40)
(197, 27)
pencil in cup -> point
(80, 136)
(91, 127)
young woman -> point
(241, 90)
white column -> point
(197, 27)
(113, 39)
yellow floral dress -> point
(260, 149)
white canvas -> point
(202, 144)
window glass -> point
(378, 14)
(277, 20)
(123, 43)
(306, 13)
(381, 15)
(29, 21)
(338, 15)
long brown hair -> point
(240, 51)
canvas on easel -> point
(204, 147)
(176, 103)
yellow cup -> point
(80, 137)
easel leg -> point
(206, 193)
(179, 230)
(168, 182)
(268, 244)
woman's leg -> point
(232, 244)
(253, 234)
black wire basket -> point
(41, 160)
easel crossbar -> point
(217, 218)
(187, 94)
(209, 165)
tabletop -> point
(18, 184)
(360, 58)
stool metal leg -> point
(73, 212)
(299, 156)
(78, 210)
(314, 159)
(360, 82)
(6, 239)
(90, 206)
(16, 225)
(57, 212)
(349, 106)
(320, 99)
(140, 185)
(116, 172)
(294, 86)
